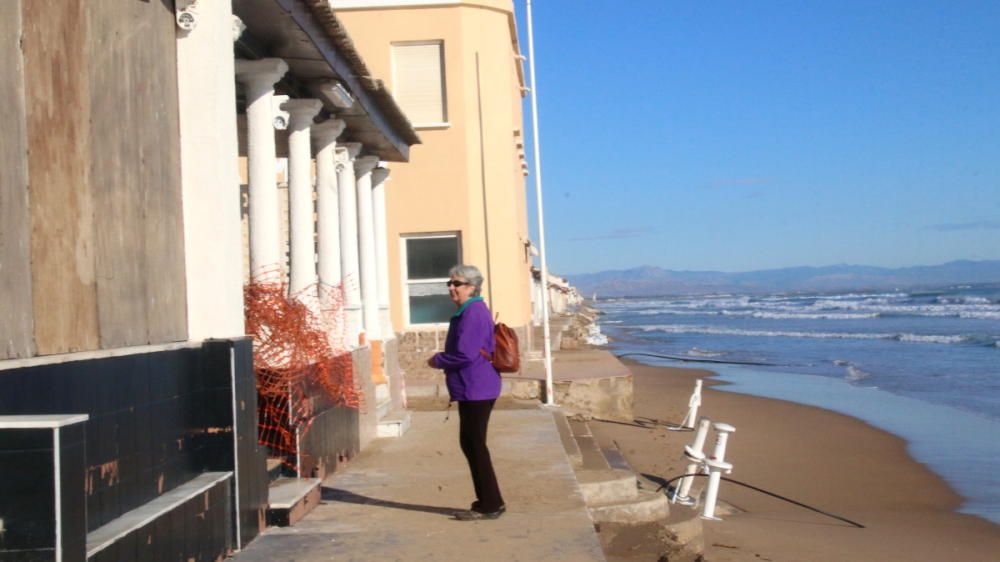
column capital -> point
(263, 72)
(327, 132)
(365, 164)
(380, 175)
(348, 151)
(302, 112)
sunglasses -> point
(457, 283)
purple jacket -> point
(469, 375)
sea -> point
(922, 364)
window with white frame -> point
(418, 81)
(427, 259)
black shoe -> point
(474, 515)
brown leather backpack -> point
(506, 353)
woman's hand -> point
(431, 363)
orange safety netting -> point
(300, 360)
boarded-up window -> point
(418, 81)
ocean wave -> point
(612, 321)
(981, 315)
(705, 353)
(856, 374)
(919, 338)
(963, 300)
(814, 316)
(983, 311)
(711, 330)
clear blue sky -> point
(752, 135)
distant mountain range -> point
(654, 281)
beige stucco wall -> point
(441, 188)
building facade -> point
(129, 388)
(456, 70)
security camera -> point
(281, 117)
(187, 15)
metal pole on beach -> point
(549, 398)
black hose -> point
(693, 360)
(772, 494)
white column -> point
(325, 136)
(210, 179)
(349, 269)
(380, 176)
(301, 232)
(366, 245)
(259, 77)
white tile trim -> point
(52, 421)
(98, 354)
(236, 456)
(57, 469)
(103, 537)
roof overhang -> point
(309, 37)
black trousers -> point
(474, 417)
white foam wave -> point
(814, 316)
(963, 300)
(856, 374)
(931, 339)
(712, 330)
(612, 321)
(981, 315)
(704, 352)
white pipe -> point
(549, 396)
(693, 403)
(716, 466)
(695, 453)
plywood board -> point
(16, 322)
(54, 36)
(136, 173)
(164, 236)
(117, 170)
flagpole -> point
(549, 394)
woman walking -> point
(474, 383)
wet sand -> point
(828, 460)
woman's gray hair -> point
(470, 273)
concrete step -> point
(273, 469)
(290, 499)
(590, 451)
(127, 527)
(607, 486)
(568, 442)
(645, 507)
(394, 424)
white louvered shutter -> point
(418, 82)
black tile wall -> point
(156, 421)
(27, 498)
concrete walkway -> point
(395, 501)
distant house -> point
(455, 68)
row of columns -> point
(350, 203)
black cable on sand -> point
(772, 494)
(695, 360)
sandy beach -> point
(827, 460)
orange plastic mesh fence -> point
(300, 359)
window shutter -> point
(418, 82)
